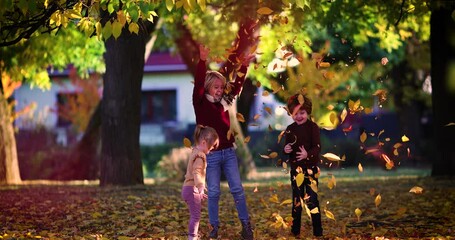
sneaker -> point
(214, 233)
(247, 231)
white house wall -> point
(45, 101)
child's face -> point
(205, 147)
(216, 90)
(300, 116)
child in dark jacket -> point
(303, 146)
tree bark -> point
(443, 96)
(120, 159)
(9, 165)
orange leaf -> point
(264, 11)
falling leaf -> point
(449, 124)
(389, 163)
(240, 117)
(301, 99)
(332, 157)
(360, 167)
(404, 138)
(324, 64)
(299, 179)
(268, 110)
(358, 213)
(264, 11)
(332, 182)
(363, 137)
(384, 61)
(377, 200)
(187, 142)
(416, 190)
(287, 201)
(256, 189)
(273, 155)
(256, 117)
(264, 156)
(265, 93)
(329, 214)
(343, 115)
(330, 107)
(247, 139)
(314, 185)
(280, 136)
(371, 150)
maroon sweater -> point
(212, 114)
(306, 134)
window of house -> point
(159, 106)
(63, 102)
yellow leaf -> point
(301, 99)
(299, 179)
(314, 186)
(358, 213)
(133, 28)
(265, 93)
(360, 167)
(202, 4)
(377, 200)
(240, 117)
(332, 182)
(264, 11)
(274, 199)
(287, 201)
(332, 157)
(285, 165)
(247, 139)
(280, 136)
(363, 137)
(264, 156)
(404, 138)
(170, 4)
(116, 29)
(273, 155)
(344, 113)
(329, 214)
(416, 190)
(187, 142)
(256, 117)
(268, 110)
(314, 210)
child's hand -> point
(288, 148)
(201, 191)
(203, 52)
(303, 154)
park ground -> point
(83, 210)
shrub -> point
(151, 155)
(173, 165)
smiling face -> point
(216, 89)
(300, 116)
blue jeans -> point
(224, 160)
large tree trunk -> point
(442, 74)
(9, 166)
(121, 105)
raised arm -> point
(201, 69)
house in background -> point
(166, 101)
(167, 113)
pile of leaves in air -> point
(157, 211)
